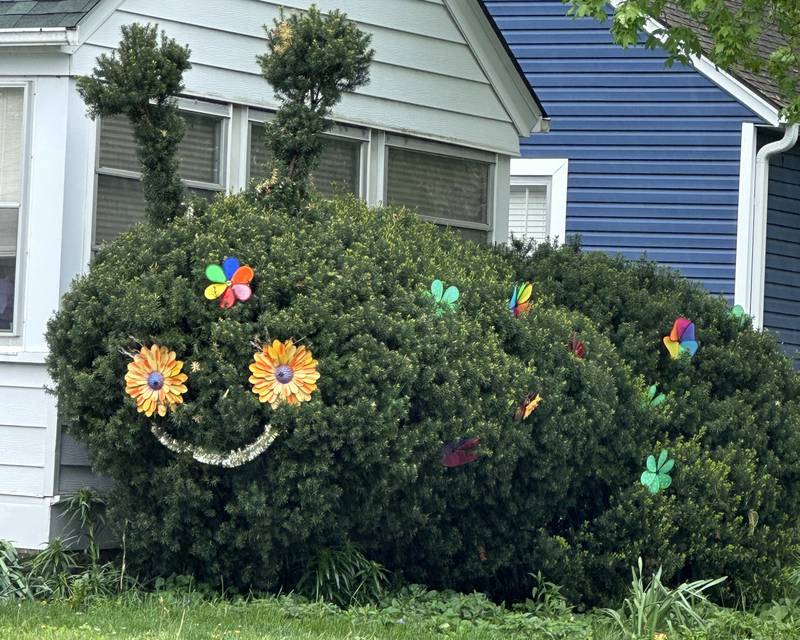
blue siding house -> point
(646, 159)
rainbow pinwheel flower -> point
(520, 301)
(230, 282)
(681, 339)
(656, 477)
(154, 380)
(444, 300)
(284, 372)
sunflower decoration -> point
(154, 380)
(284, 372)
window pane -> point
(11, 106)
(8, 263)
(337, 171)
(199, 150)
(120, 204)
(438, 186)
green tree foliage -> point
(734, 26)
(140, 80)
(731, 421)
(312, 59)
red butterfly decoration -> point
(576, 346)
(454, 454)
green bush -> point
(360, 462)
(731, 421)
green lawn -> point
(153, 618)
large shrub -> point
(732, 421)
(360, 462)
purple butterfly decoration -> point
(454, 454)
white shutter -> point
(11, 104)
(528, 212)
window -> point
(120, 199)
(12, 101)
(538, 199)
(453, 190)
(339, 165)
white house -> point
(435, 128)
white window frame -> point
(222, 111)
(22, 212)
(391, 140)
(554, 173)
(347, 132)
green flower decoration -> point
(654, 398)
(656, 476)
(444, 300)
(737, 313)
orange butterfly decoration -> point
(527, 406)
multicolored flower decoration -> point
(681, 339)
(656, 477)
(576, 347)
(520, 301)
(230, 282)
(444, 300)
(154, 380)
(284, 372)
(527, 406)
(454, 454)
(654, 398)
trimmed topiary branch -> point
(140, 80)
(312, 60)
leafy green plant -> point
(655, 608)
(343, 576)
(54, 567)
(546, 599)
(14, 582)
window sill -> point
(12, 354)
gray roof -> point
(18, 14)
(769, 40)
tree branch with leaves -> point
(735, 27)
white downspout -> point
(758, 239)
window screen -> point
(120, 199)
(338, 169)
(444, 187)
(11, 143)
(528, 212)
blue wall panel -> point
(782, 276)
(654, 151)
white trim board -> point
(724, 80)
(744, 223)
(557, 170)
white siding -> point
(425, 79)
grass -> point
(153, 618)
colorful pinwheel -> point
(527, 406)
(577, 347)
(654, 398)
(656, 476)
(681, 339)
(520, 301)
(230, 282)
(454, 454)
(444, 300)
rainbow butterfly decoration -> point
(681, 339)
(520, 301)
(229, 282)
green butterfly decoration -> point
(656, 476)
(737, 313)
(444, 300)
(654, 399)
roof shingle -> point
(769, 40)
(18, 14)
